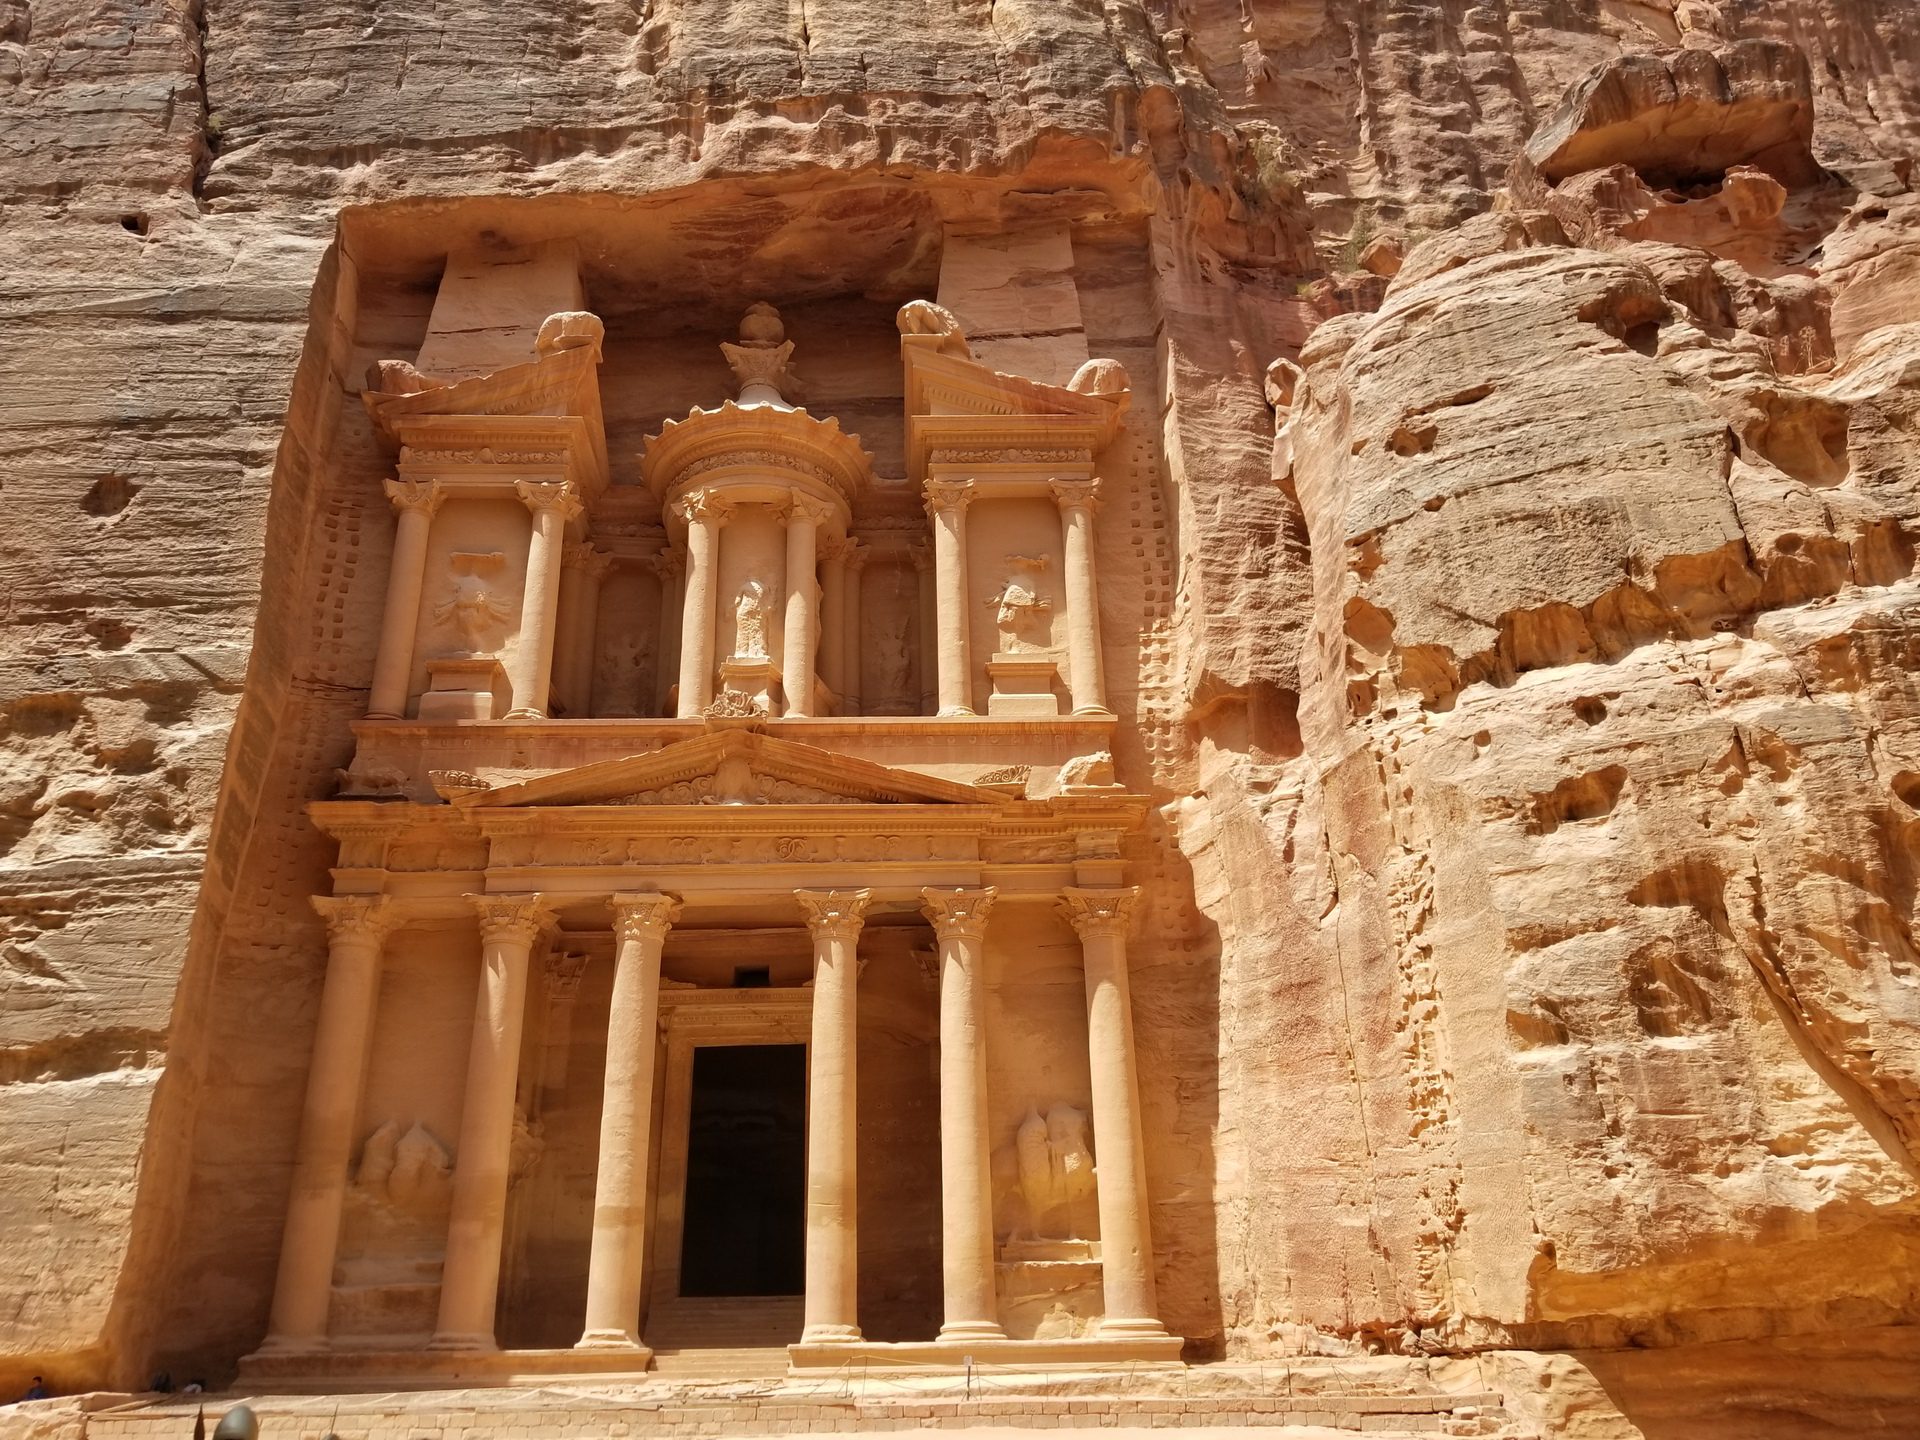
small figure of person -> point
(194, 1387)
(37, 1390)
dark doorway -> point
(746, 1172)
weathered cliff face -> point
(1531, 718)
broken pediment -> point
(733, 767)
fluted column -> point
(704, 517)
(804, 518)
(852, 640)
(585, 573)
(959, 919)
(470, 1278)
(615, 1266)
(357, 926)
(671, 567)
(928, 667)
(947, 505)
(553, 505)
(1085, 675)
(835, 657)
(414, 501)
(1126, 1250)
(833, 1270)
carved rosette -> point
(958, 914)
(541, 495)
(415, 497)
(944, 495)
(1097, 914)
(834, 914)
(643, 915)
(355, 919)
(510, 919)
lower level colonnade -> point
(513, 928)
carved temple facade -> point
(718, 853)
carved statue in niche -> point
(750, 622)
(474, 614)
(890, 660)
(1056, 1177)
(408, 1171)
(620, 684)
(1022, 610)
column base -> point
(526, 712)
(956, 712)
(965, 1332)
(275, 1346)
(444, 1341)
(831, 1335)
(612, 1340)
(1123, 1329)
(1092, 712)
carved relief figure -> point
(622, 673)
(750, 622)
(472, 611)
(1021, 609)
(409, 1171)
(1056, 1176)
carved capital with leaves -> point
(643, 915)
(511, 919)
(958, 914)
(834, 914)
(1096, 914)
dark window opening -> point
(752, 977)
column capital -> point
(1099, 912)
(415, 497)
(807, 508)
(922, 557)
(641, 914)
(948, 495)
(565, 970)
(857, 556)
(960, 914)
(834, 914)
(557, 495)
(668, 563)
(703, 507)
(511, 917)
(586, 558)
(1076, 494)
(366, 918)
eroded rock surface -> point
(1523, 672)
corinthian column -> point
(470, 1278)
(553, 505)
(1077, 499)
(804, 518)
(959, 919)
(703, 516)
(615, 1265)
(357, 926)
(1126, 1250)
(415, 501)
(927, 668)
(834, 655)
(947, 505)
(833, 1269)
(853, 640)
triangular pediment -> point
(957, 403)
(734, 767)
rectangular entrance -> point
(745, 1209)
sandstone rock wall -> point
(1531, 721)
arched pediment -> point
(734, 767)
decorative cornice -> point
(362, 919)
(834, 914)
(958, 914)
(1099, 913)
(643, 915)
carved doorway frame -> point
(689, 1019)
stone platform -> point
(1306, 1402)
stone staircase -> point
(724, 1338)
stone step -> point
(722, 1363)
(726, 1323)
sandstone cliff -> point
(1526, 688)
